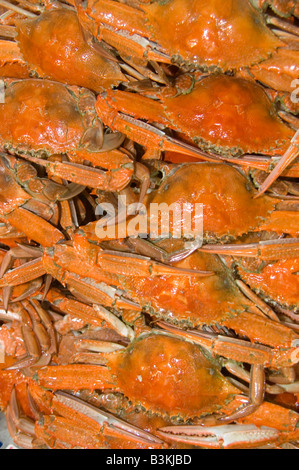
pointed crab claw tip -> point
(259, 193)
(226, 436)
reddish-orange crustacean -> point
(70, 59)
(207, 35)
(229, 206)
(223, 116)
(36, 416)
(196, 387)
(41, 118)
(197, 292)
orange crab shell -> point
(159, 363)
(217, 32)
(226, 195)
(206, 34)
(278, 281)
(69, 58)
(223, 114)
(45, 108)
(146, 370)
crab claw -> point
(226, 436)
(114, 426)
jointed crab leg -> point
(285, 160)
(34, 227)
(94, 314)
(240, 350)
(38, 335)
(20, 252)
(256, 395)
(144, 133)
(280, 422)
(20, 428)
(17, 9)
(116, 425)
(115, 179)
(25, 273)
(287, 248)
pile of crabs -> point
(164, 339)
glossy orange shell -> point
(208, 34)
(277, 282)
(211, 33)
(44, 116)
(226, 195)
(170, 376)
(230, 114)
(69, 58)
(219, 113)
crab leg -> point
(116, 178)
(25, 439)
(33, 226)
(88, 290)
(123, 263)
(284, 221)
(123, 40)
(118, 427)
(33, 350)
(78, 415)
(256, 395)
(94, 315)
(105, 266)
(143, 133)
(42, 325)
(285, 160)
(17, 9)
(280, 422)
(146, 248)
(19, 252)
(75, 377)
(266, 250)
(25, 273)
(263, 163)
(244, 351)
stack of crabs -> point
(164, 341)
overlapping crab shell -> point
(56, 116)
(42, 118)
(65, 52)
(208, 35)
(276, 281)
(229, 208)
(219, 114)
